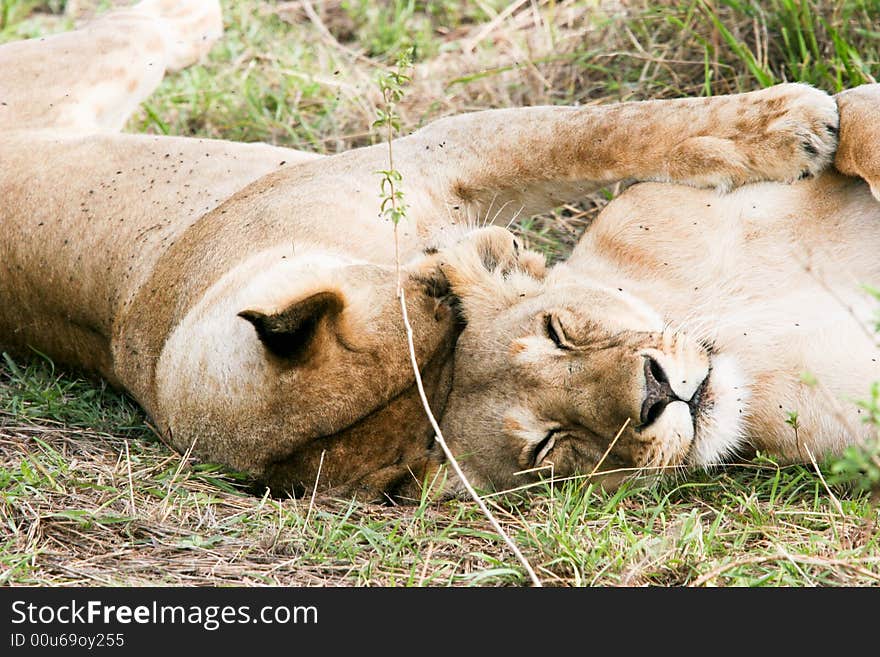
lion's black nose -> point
(658, 393)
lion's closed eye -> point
(556, 332)
(544, 447)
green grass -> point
(83, 500)
(88, 493)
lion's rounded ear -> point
(482, 271)
(291, 333)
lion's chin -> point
(719, 419)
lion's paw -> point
(806, 131)
(492, 250)
(783, 133)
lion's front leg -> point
(859, 151)
(499, 163)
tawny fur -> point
(760, 290)
(244, 294)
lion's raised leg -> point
(528, 160)
(859, 151)
(93, 79)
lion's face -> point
(297, 369)
(560, 377)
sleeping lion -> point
(245, 294)
(685, 330)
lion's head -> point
(556, 375)
(295, 366)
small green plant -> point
(860, 464)
(860, 467)
(392, 84)
(793, 420)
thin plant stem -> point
(391, 91)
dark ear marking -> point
(290, 334)
(488, 257)
(433, 283)
(436, 285)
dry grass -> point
(84, 508)
(89, 496)
(90, 508)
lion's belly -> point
(85, 218)
(772, 274)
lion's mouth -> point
(700, 401)
(665, 408)
(700, 428)
(719, 412)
